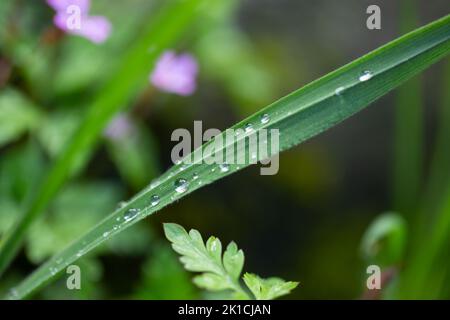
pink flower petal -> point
(175, 74)
(96, 28)
(119, 127)
(62, 5)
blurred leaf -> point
(9, 210)
(76, 209)
(229, 56)
(131, 242)
(163, 278)
(20, 170)
(385, 239)
(57, 129)
(17, 115)
(135, 154)
(268, 289)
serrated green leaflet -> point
(299, 116)
(268, 289)
(221, 274)
(198, 257)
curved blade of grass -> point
(298, 116)
(129, 79)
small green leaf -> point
(268, 289)
(190, 245)
(17, 115)
(385, 239)
(211, 281)
(197, 257)
(214, 248)
(174, 232)
(233, 260)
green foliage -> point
(221, 273)
(17, 115)
(298, 117)
(268, 289)
(385, 240)
(163, 277)
(135, 155)
(128, 79)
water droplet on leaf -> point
(154, 200)
(265, 118)
(365, 75)
(130, 214)
(339, 91)
(224, 167)
(181, 185)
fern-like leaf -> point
(268, 289)
(221, 273)
(196, 256)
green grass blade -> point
(129, 79)
(298, 116)
(432, 226)
(409, 127)
(440, 165)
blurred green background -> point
(306, 223)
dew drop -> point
(195, 176)
(130, 214)
(339, 91)
(365, 75)
(116, 227)
(105, 234)
(224, 167)
(154, 200)
(53, 271)
(181, 185)
(265, 118)
(121, 204)
(248, 127)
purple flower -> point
(175, 74)
(119, 127)
(63, 5)
(77, 21)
